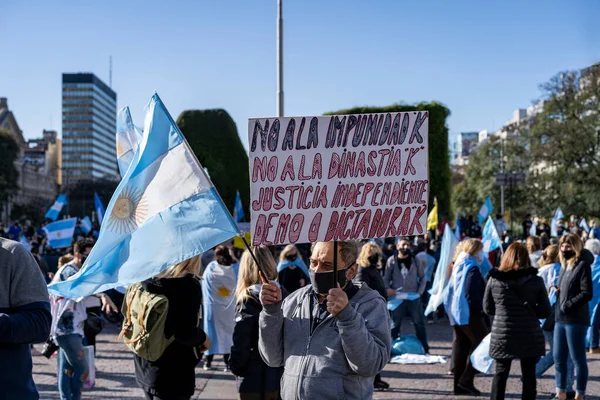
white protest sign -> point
(345, 177)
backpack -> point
(144, 323)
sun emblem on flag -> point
(129, 211)
(223, 291)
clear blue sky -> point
(483, 60)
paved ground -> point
(116, 380)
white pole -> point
(279, 59)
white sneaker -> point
(206, 368)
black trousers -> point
(502, 372)
(153, 397)
(466, 340)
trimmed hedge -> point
(214, 138)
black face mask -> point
(568, 254)
(374, 259)
(405, 252)
(291, 257)
(322, 282)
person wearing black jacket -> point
(172, 376)
(572, 313)
(516, 297)
(255, 380)
(369, 266)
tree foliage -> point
(80, 196)
(565, 144)
(439, 159)
(9, 153)
(213, 136)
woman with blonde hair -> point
(255, 380)
(292, 271)
(575, 290)
(463, 304)
(517, 299)
(369, 264)
(172, 376)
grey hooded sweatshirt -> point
(342, 356)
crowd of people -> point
(292, 329)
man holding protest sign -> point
(331, 340)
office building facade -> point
(89, 113)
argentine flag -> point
(485, 210)
(100, 211)
(164, 211)
(129, 138)
(490, 239)
(533, 229)
(60, 233)
(86, 225)
(238, 209)
(584, 225)
(440, 281)
(559, 214)
(56, 208)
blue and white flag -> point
(128, 139)
(584, 225)
(554, 228)
(485, 210)
(440, 280)
(60, 233)
(491, 239)
(25, 243)
(457, 230)
(86, 224)
(559, 214)
(100, 210)
(238, 209)
(57, 207)
(164, 211)
(533, 229)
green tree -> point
(214, 138)
(439, 159)
(565, 144)
(9, 152)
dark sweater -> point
(474, 291)
(516, 300)
(373, 279)
(173, 373)
(254, 376)
(575, 291)
(24, 319)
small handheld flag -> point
(533, 229)
(490, 239)
(60, 233)
(584, 225)
(238, 209)
(485, 210)
(432, 218)
(86, 225)
(57, 207)
(100, 211)
(559, 214)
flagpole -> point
(279, 58)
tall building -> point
(466, 142)
(89, 114)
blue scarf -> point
(455, 301)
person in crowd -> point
(526, 225)
(544, 240)
(369, 265)
(255, 379)
(68, 321)
(593, 245)
(560, 227)
(549, 270)
(25, 319)
(404, 274)
(516, 297)
(572, 314)
(173, 376)
(14, 232)
(534, 247)
(292, 271)
(2, 231)
(463, 303)
(331, 338)
(427, 261)
(218, 291)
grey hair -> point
(348, 250)
(593, 245)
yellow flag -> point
(432, 218)
(238, 243)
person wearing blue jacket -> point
(25, 319)
(464, 304)
(593, 335)
(291, 270)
